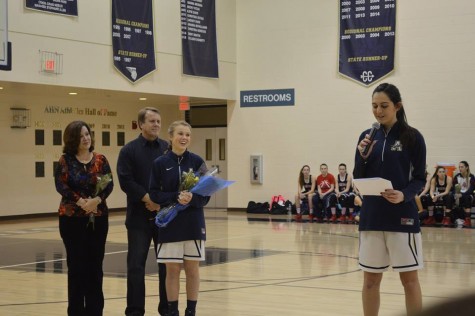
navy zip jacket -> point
(164, 185)
(133, 170)
(405, 168)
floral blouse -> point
(75, 180)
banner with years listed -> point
(367, 39)
(132, 38)
(198, 38)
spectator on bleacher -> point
(465, 182)
(344, 193)
(440, 186)
(423, 198)
(325, 198)
(305, 190)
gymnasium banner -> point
(198, 38)
(367, 39)
(132, 38)
(65, 7)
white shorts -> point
(181, 250)
(378, 250)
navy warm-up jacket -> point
(164, 184)
(405, 168)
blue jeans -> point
(321, 206)
(139, 240)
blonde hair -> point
(172, 127)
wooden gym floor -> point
(255, 265)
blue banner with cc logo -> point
(367, 39)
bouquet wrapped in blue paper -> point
(205, 185)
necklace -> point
(84, 158)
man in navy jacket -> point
(133, 169)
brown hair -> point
(301, 180)
(434, 176)
(408, 133)
(72, 137)
(143, 112)
(463, 162)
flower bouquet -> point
(204, 185)
(102, 183)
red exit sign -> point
(50, 65)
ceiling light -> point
(73, 93)
(142, 99)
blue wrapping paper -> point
(206, 186)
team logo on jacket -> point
(397, 146)
(407, 221)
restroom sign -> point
(277, 97)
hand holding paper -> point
(393, 196)
(372, 186)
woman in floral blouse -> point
(84, 180)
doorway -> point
(211, 145)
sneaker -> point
(446, 221)
(189, 312)
(467, 222)
(429, 221)
(310, 218)
(332, 219)
(319, 219)
(351, 219)
(342, 219)
(298, 217)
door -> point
(210, 144)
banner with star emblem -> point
(367, 39)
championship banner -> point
(198, 38)
(65, 7)
(132, 38)
(367, 39)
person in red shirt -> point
(325, 197)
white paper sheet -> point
(372, 186)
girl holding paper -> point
(389, 223)
(182, 241)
